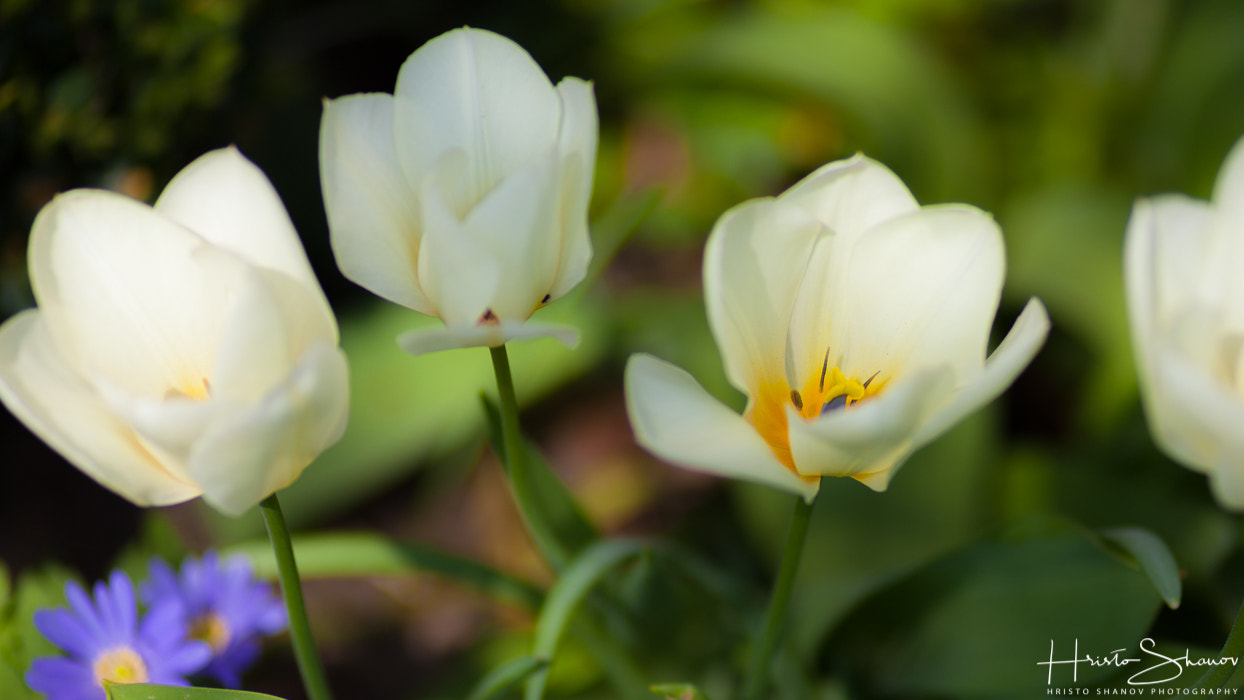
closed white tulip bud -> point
(1185, 295)
(179, 350)
(855, 321)
(464, 194)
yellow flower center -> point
(120, 665)
(197, 388)
(211, 629)
(829, 390)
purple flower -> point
(106, 642)
(224, 606)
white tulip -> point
(463, 195)
(1185, 294)
(856, 323)
(179, 350)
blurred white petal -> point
(428, 340)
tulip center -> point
(830, 390)
(197, 388)
(120, 665)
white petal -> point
(430, 340)
(1227, 482)
(870, 440)
(479, 92)
(1192, 415)
(918, 291)
(518, 222)
(373, 215)
(126, 293)
(227, 200)
(754, 260)
(1011, 357)
(675, 419)
(57, 405)
(851, 196)
(1229, 186)
(271, 322)
(577, 144)
(259, 451)
(457, 269)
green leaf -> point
(975, 623)
(555, 503)
(504, 677)
(565, 596)
(367, 554)
(1151, 554)
(143, 691)
(678, 691)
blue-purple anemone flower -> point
(107, 642)
(224, 606)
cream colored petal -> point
(259, 451)
(518, 222)
(457, 269)
(675, 419)
(271, 322)
(57, 405)
(577, 143)
(479, 92)
(851, 196)
(754, 262)
(918, 291)
(1011, 357)
(126, 293)
(229, 201)
(430, 340)
(870, 440)
(373, 214)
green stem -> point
(515, 458)
(776, 617)
(291, 587)
(1216, 676)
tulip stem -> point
(313, 679)
(762, 657)
(1216, 676)
(515, 459)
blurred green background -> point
(1053, 114)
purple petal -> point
(61, 679)
(67, 631)
(125, 607)
(84, 610)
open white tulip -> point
(855, 321)
(1185, 294)
(179, 350)
(464, 194)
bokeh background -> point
(1053, 114)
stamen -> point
(489, 318)
(824, 366)
(796, 399)
(839, 401)
(546, 298)
(870, 379)
(120, 665)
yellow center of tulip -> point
(211, 629)
(120, 665)
(197, 388)
(827, 391)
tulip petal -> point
(753, 263)
(430, 340)
(478, 92)
(229, 201)
(918, 291)
(271, 320)
(1012, 356)
(869, 441)
(458, 271)
(373, 219)
(257, 452)
(518, 222)
(57, 405)
(127, 294)
(675, 419)
(577, 144)
(852, 196)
